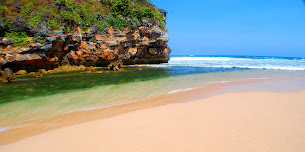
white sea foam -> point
(12, 127)
(179, 90)
(4, 129)
(200, 58)
(233, 62)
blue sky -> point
(236, 27)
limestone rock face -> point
(146, 44)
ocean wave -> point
(234, 59)
(201, 58)
(260, 67)
(229, 67)
(270, 63)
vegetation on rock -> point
(27, 18)
(20, 38)
(47, 34)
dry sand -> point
(229, 122)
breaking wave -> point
(272, 63)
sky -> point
(236, 27)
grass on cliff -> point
(69, 14)
(21, 38)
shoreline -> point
(230, 121)
(39, 126)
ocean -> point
(54, 94)
(215, 63)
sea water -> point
(54, 94)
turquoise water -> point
(28, 87)
(30, 99)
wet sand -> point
(252, 121)
(42, 125)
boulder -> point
(9, 41)
(116, 66)
(99, 72)
(21, 72)
(43, 29)
(81, 67)
(7, 76)
(43, 71)
(37, 75)
(59, 69)
(90, 69)
(2, 77)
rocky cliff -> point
(144, 43)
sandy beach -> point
(253, 121)
(152, 76)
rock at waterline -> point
(116, 66)
(91, 69)
(21, 72)
(7, 76)
(37, 75)
(43, 71)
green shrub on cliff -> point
(34, 21)
(65, 3)
(122, 7)
(137, 13)
(52, 22)
(3, 10)
(108, 2)
(159, 17)
(21, 38)
(144, 2)
(69, 14)
(115, 22)
(70, 17)
(148, 13)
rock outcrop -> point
(145, 44)
(7, 76)
(37, 74)
(21, 72)
(116, 66)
